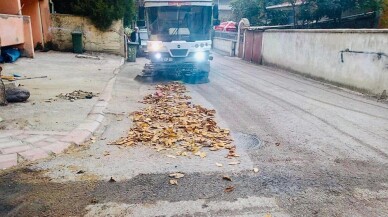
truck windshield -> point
(179, 23)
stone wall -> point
(110, 41)
(354, 58)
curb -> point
(82, 133)
(94, 119)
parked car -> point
(228, 26)
(144, 40)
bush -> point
(101, 12)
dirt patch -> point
(25, 192)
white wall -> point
(223, 45)
(318, 53)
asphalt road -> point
(320, 151)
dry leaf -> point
(256, 170)
(170, 156)
(226, 178)
(219, 165)
(234, 163)
(176, 175)
(111, 180)
(173, 181)
(229, 189)
(172, 122)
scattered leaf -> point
(233, 163)
(176, 175)
(203, 155)
(80, 172)
(227, 178)
(170, 156)
(106, 153)
(277, 144)
(256, 170)
(219, 165)
(112, 180)
(93, 201)
(229, 189)
(173, 181)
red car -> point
(228, 26)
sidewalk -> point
(46, 124)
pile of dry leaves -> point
(77, 94)
(172, 122)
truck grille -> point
(179, 52)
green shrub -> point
(101, 12)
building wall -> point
(10, 7)
(31, 8)
(11, 31)
(317, 53)
(111, 41)
(16, 30)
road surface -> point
(320, 151)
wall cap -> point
(378, 31)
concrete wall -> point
(31, 8)
(10, 7)
(16, 30)
(11, 31)
(111, 41)
(223, 45)
(318, 53)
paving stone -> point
(34, 154)
(47, 133)
(53, 139)
(8, 160)
(6, 139)
(10, 144)
(77, 136)
(42, 143)
(35, 138)
(21, 136)
(16, 149)
(57, 147)
(89, 126)
(7, 133)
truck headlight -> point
(200, 56)
(154, 45)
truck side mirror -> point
(216, 22)
(215, 11)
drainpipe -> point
(52, 6)
(41, 24)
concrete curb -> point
(94, 119)
(39, 148)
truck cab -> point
(179, 38)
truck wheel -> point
(197, 78)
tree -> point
(246, 9)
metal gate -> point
(252, 45)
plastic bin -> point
(77, 42)
(131, 51)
